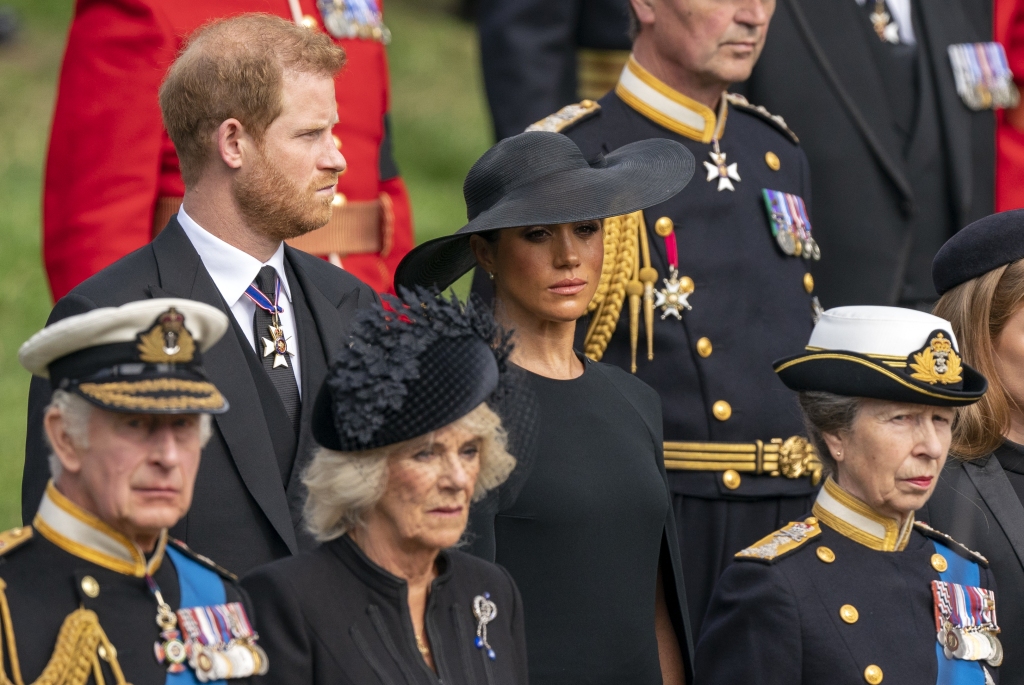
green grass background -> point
(440, 127)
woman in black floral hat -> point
(408, 441)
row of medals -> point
(970, 645)
(340, 23)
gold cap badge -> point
(168, 341)
(937, 363)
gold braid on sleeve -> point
(81, 644)
(625, 243)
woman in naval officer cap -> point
(859, 591)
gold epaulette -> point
(782, 541)
(566, 117)
(15, 537)
(740, 102)
(205, 561)
(945, 539)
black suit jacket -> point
(975, 502)
(817, 72)
(528, 48)
(241, 515)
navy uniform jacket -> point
(827, 608)
(819, 71)
(49, 570)
(750, 300)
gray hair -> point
(76, 413)
(826, 412)
(344, 486)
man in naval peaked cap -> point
(94, 591)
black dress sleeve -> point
(281, 627)
(752, 630)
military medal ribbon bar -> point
(983, 77)
(965, 622)
(220, 642)
(790, 224)
(354, 19)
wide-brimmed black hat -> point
(885, 353)
(413, 365)
(540, 178)
(143, 357)
(978, 248)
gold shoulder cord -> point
(625, 242)
(81, 643)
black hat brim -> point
(855, 375)
(631, 178)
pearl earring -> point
(490, 274)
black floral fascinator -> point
(414, 364)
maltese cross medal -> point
(725, 173)
(277, 345)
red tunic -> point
(1009, 30)
(110, 159)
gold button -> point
(772, 160)
(811, 521)
(587, 104)
(90, 587)
(731, 479)
(939, 563)
(825, 554)
(809, 283)
(704, 347)
(722, 410)
(339, 200)
(308, 22)
(873, 674)
(18, 532)
(337, 142)
(686, 284)
(848, 612)
(664, 227)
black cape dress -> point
(588, 531)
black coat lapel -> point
(850, 69)
(182, 274)
(945, 24)
(995, 489)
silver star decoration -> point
(673, 298)
(280, 351)
(722, 171)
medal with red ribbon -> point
(674, 297)
(277, 344)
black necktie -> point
(283, 377)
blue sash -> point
(199, 587)
(963, 572)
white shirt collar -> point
(231, 269)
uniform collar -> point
(231, 269)
(666, 106)
(852, 518)
(78, 532)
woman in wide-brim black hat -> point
(859, 590)
(587, 533)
